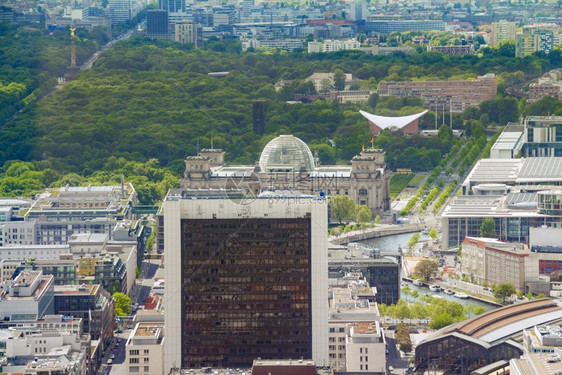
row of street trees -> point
(439, 311)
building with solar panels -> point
(518, 194)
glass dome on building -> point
(286, 152)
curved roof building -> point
(406, 124)
(465, 346)
(286, 153)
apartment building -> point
(502, 31)
(443, 96)
(144, 350)
(356, 342)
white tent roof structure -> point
(391, 122)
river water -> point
(391, 243)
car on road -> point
(391, 327)
(112, 356)
(110, 361)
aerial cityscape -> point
(271, 187)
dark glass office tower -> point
(245, 281)
(172, 5)
(247, 292)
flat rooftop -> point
(365, 328)
(148, 330)
(88, 238)
(86, 289)
(507, 140)
(516, 171)
(513, 204)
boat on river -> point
(461, 295)
(435, 288)
(448, 291)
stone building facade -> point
(287, 163)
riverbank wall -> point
(380, 230)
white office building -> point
(144, 350)
(29, 296)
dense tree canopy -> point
(150, 103)
(122, 304)
(31, 59)
(425, 268)
(504, 291)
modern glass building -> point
(514, 214)
(543, 136)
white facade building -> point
(502, 31)
(23, 252)
(29, 296)
(365, 348)
(356, 340)
(144, 350)
(18, 233)
(333, 45)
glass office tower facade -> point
(247, 291)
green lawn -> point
(417, 180)
(399, 182)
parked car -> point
(392, 327)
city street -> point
(400, 365)
(118, 366)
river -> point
(391, 243)
(425, 290)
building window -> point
(146, 369)
(146, 360)
(146, 351)
(134, 369)
(361, 367)
(133, 360)
(133, 352)
(362, 191)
